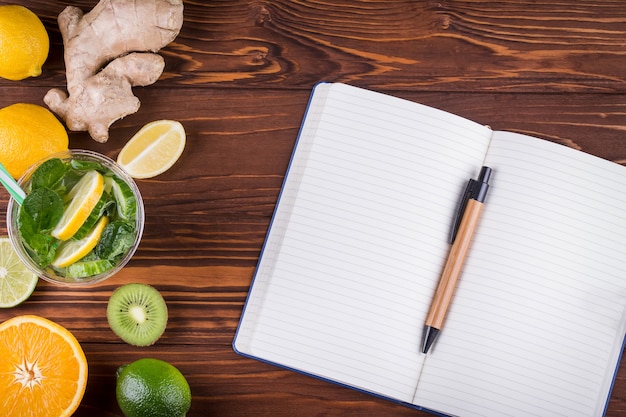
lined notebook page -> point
(358, 240)
(537, 324)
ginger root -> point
(107, 52)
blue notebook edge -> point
(615, 371)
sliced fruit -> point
(84, 197)
(85, 269)
(137, 313)
(123, 195)
(43, 371)
(72, 251)
(104, 207)
(17, 282)
(153, 149)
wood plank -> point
(238, 77)
(521, 45)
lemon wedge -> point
(85, 195)
(17, 282)
(72, 251)
(153, 149)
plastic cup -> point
(49, 274)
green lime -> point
(152, 387)
(17, 282)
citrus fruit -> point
(72, 251)
(43, 371)
(152, 387)
(84, 197)
(17, 282)
(24, 43)
(28, 133)
(153, 149)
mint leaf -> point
(42, 248)
(117, 238)
(48, 173)
(82, 165)
(41, 211)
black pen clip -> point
(460, 210)
(477, 190)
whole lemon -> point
(29, 133)
(24, 43)
(152, 387)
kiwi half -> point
(137, 313)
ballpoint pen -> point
(461, 236)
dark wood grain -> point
(238, 77)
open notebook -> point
(360, 236)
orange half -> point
(43, 369)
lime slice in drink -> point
(17, 282)
(72, 251)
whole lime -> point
(152, 387)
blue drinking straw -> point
(11, 185)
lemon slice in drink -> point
(153, 149)
(85, 195)
(72, 251)
(17, 282)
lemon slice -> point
(72, 251)
(85, 195)
(153, 149)
(17, 282)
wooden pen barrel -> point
(454, 265)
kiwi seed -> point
(137, 313)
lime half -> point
(17, 282)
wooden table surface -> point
(238, 77)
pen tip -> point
(430, 335)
